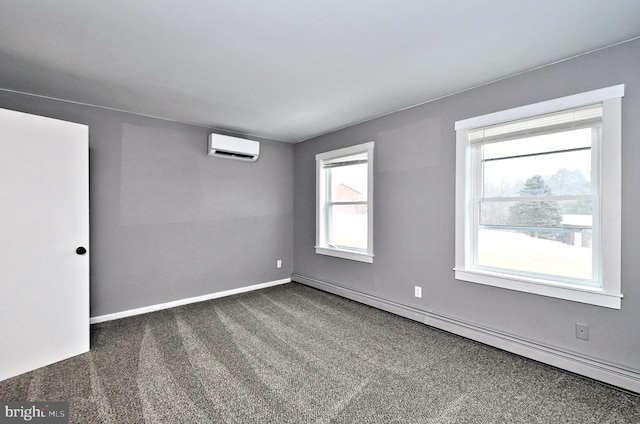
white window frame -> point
(610, 202)
(323, 246)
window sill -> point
(587, 295)
(345, 254)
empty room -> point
(319, 212)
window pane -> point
(522, 252)
(349, 226)
(541, 237)
(552, 164)
(349, 183)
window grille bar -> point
(558, 198)
(566, 229)
(338, 203)
(577, 149)
(345, 163)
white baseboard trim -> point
(173, 304)
(607, 373)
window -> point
(344, 195)
(538, 198)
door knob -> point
(81, 250)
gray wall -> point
(414, 187)
(169, 222)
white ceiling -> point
(288, 70)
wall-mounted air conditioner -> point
(225, 146)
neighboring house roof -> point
(346, 193)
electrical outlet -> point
(279, 263)
(582, 331)
(418, 291)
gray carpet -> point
(292, 354)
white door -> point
(44, 219)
